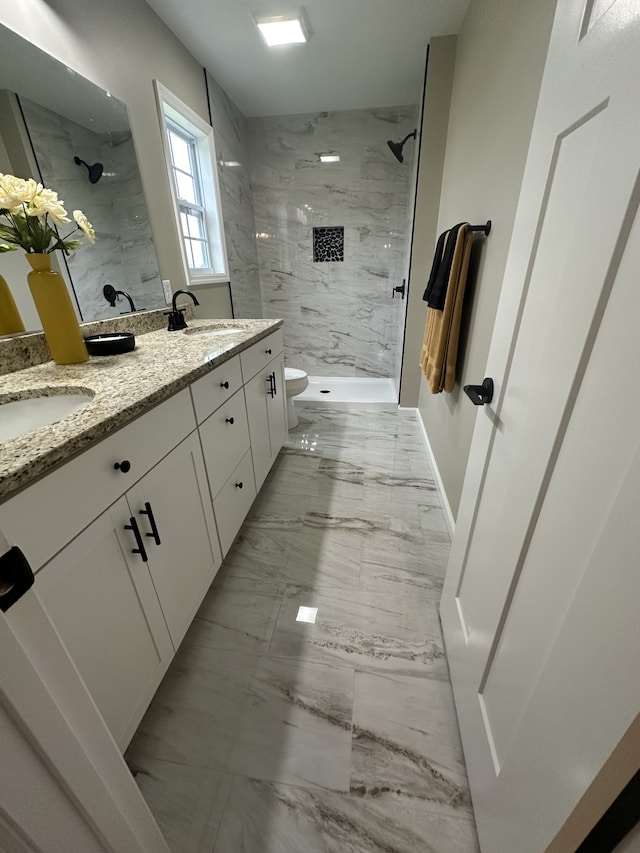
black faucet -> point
(176, 316)
(111, 294)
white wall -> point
(500, 57)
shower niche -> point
(328, 243)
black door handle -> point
(480, 395)
(152, 522)
(133, 525)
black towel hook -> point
(486, 228)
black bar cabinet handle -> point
(133, 525)
(275, 385)
(271, 391)
(152, 522)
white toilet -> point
(295, 382)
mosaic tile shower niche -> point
(328, 244)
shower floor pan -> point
(348, 390)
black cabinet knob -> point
(224, 384)
(229, 420)
(239, 485)
(268, 351)
(123, 466)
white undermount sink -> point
(18, 417)
(217, 330)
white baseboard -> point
(448, 514)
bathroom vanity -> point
(126, 508)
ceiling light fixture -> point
(283, 29)
(329, 157)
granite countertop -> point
(123, 387)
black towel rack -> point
(486, 228)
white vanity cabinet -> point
(126, 537)
(123, 592)
(263, 373)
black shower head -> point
(95, 171)
(396, 147)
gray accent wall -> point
(340, 319)
(500, 57)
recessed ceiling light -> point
(329, 157)
(283, 29)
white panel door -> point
(540, 606)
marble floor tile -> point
(296, 727)
(406, 742)
(259, 552)
(187, 802)
(397, 581)
(362, 629)
(402, 543)
(237, 614)
(263, 817)
(271, 735)
(194, 717)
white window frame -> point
(173, 112)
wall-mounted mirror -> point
(71, 129)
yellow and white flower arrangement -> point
(34, 214)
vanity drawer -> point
(234, 502)
(260, 354)
(225, 440)
(44, 517)
(212, 390)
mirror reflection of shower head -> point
(396, 147)
(95, 171)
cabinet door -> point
(225, 440)
(100, 598)
(256, 396)
(277, 407)
(234, 502)
(173, 499)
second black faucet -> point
(176, 315)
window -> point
(190, 156)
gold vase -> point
(10, 319)
(53, 303)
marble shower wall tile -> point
(236, 199)
(123, 254)
(340, 318)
